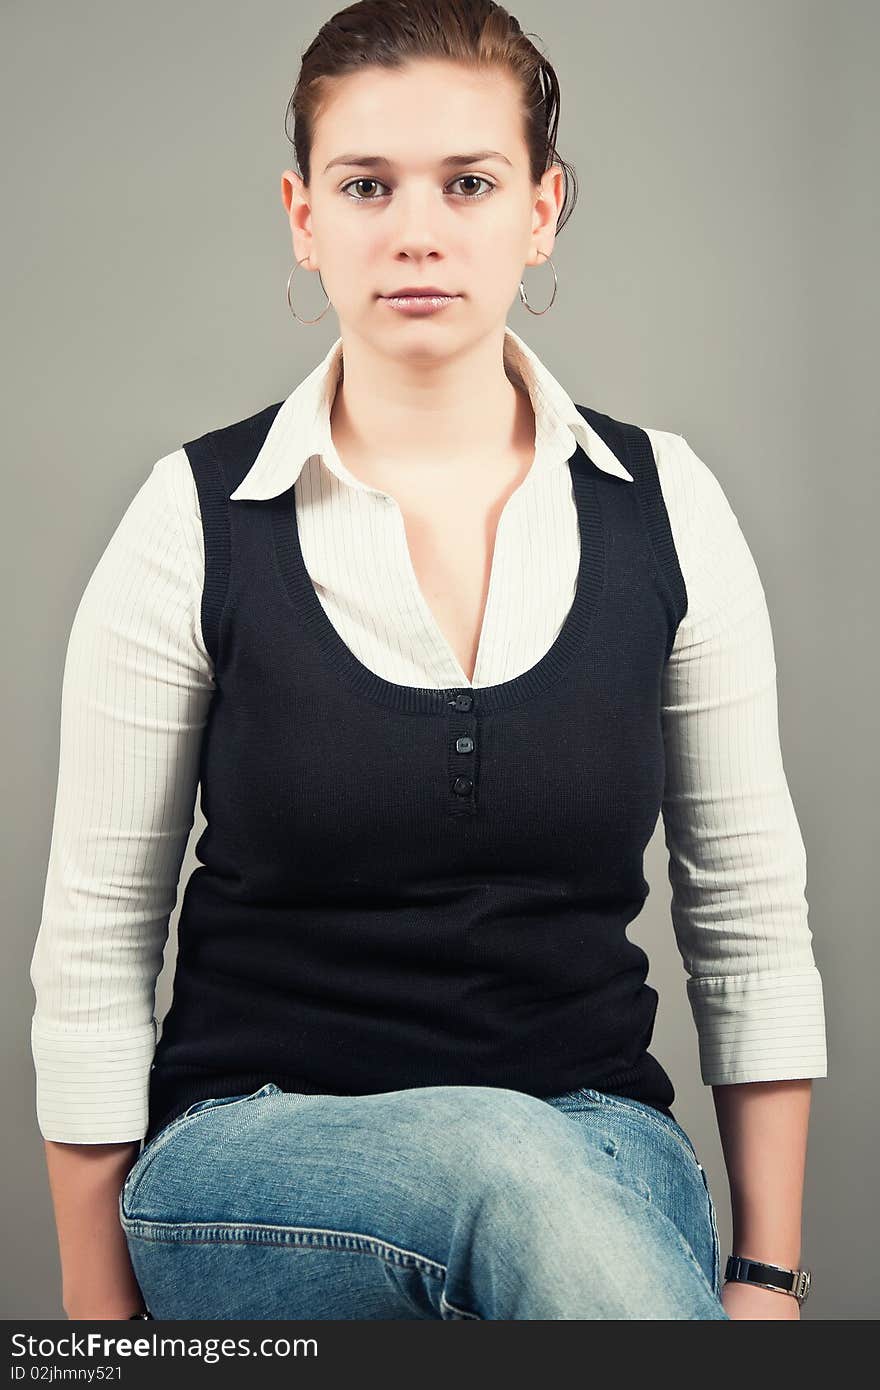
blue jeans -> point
(431, 1202)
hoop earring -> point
(290, 306)
(522, 293)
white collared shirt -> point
(138, 682)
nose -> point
(415, 230)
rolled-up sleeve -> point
(737, 862)
(136, 688)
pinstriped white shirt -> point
(138, 682)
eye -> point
(354, 182)
(468, 197)
(479, 179)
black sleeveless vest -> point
(402, 887)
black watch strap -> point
(742, 1270)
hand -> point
(750, 1302)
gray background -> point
(718, 278)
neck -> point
(392, 418)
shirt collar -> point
(301, 426)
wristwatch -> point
(740, 1269)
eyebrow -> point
(375, 161)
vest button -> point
(464, 745)
(462, 785)
(464, 701)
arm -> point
(85, 1180)
(137, 686)
(763, 1128)
(737, 866)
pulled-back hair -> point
(390, 33)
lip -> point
(420, 305)
(411, 291)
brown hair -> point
(389, 33)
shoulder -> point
(164, 522)
(171, 480)
(690, 488)
(167, 505)
(233, 438)
(176, 476)
(705, 527)
(716, 561)
(689, 485)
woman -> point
(408, 1029)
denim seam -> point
(616, 1104)
(457, 1312)
(685, 1245)
(613, 1103)
(200, 1232)
(146, 1156)
(158, 1142)
(716, 1243)
(288, 1237)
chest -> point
(450, 552)
(448, 541)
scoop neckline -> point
(296, 583)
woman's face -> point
(409, 218)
